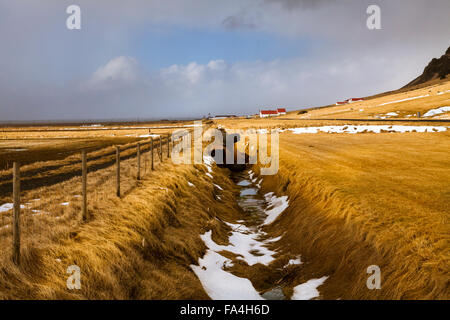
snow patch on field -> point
(308, 290)
(16, 150)
(191, 184)
(9, 206)
(149, 136)
(407, 99)
(367, 128)
(39, 213)
(434, 112)
(6, 207)
(92, 125)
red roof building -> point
(268, 113)
(355, 99)
(340, 103)
(281, 110)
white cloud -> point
(217, 65)
(244, 87)
(218, 87)
(120, 70)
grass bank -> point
(367, 199)
(137, 247)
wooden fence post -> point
(152, 154)
(16, 213)
(139, 161)
(168, 145)
(118, 171)
(84, 184)
(145, 164)
(160, 148)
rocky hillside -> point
(436, 69)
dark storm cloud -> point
(238, 22)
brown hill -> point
(436, 69)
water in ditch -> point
(247, 241)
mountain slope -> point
(436, 69)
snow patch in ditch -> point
(276, 206)
(243, 242)
(293, 262)
(248, 192)
(208, 161)
(217, 186)
(222, 285)
(308, 290)
(249, 245)
(244, 183)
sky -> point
(158, 59)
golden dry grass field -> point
(355, 200)
(366, 199)
(29, 144)
(405, 105)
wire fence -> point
(139, 149)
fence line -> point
(153, 153)
(84, 184)
(160, 149)
(84, 176)
(16, 213)
(138, 175)
(118, 171)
